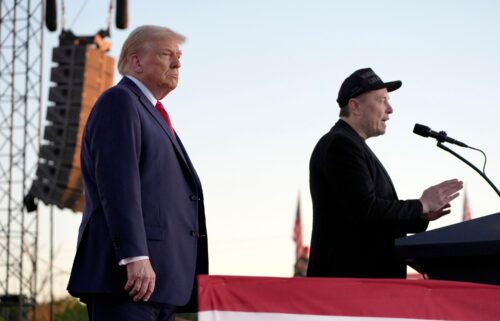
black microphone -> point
(121, 14)
(441, 136)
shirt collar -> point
(149, 95)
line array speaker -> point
(81, 74)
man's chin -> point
(171, 86)
(379, 133)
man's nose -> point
(176, 63)
(390, 110)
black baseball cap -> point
(362, 81)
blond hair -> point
(142, 35)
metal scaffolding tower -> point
(21, 44)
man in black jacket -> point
(356, 212)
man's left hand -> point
(140, 280)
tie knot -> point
(159, 105)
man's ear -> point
(135, 63)
(354, 106)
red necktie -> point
(164, 115)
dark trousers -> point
(119, 309)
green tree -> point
(73, 311)
(70, 309)
(66, 309)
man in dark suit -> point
(356, 213)
(142, 238)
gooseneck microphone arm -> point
(483, 175)
(442, 137)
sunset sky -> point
(258, 88)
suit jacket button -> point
(194, 234)
(193, 197)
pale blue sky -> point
(258, 88)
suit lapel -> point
(377, 161)
(190, 165)
(152, 110)
(348, 129)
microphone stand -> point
(440, 145)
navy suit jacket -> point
(142, 197)
(356, 212)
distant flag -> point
(297, 231)
(467, 214)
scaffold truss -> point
(21, 44)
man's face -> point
(160, 63)
(375, 109)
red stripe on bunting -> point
(418, 299)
